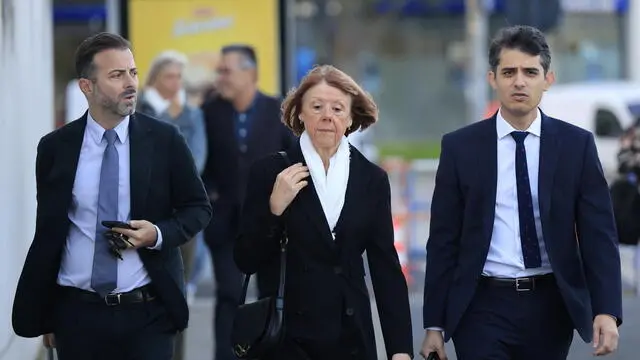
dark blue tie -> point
(528, 235)
(104, 277)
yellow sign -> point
(200, 28)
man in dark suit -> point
(243, 124)
(522, 247)
(110, 165)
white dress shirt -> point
(77, 259)
(505, 258)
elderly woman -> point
(334, 205)
(164, 98)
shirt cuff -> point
(435, 328)
(158, 245)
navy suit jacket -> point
(226, 170)
(578, 227)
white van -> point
(604, 108)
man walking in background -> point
(243, 124)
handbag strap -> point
(284, 240)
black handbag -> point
(258, 327)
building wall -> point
(26, 100)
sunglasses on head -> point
(117, 243)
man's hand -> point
(401, 357)
(48, 341)
(144, 235)
(605, 335)
(433, 341)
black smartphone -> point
(116, 224)
(433, 356)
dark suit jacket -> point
(226, 171)
(577, 223)
(325, 279)
(165, 190)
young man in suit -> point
(243, 124)
(110, 165)
(522, 247)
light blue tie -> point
(104, 277)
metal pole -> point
(289, 71)
(113, 16)
(633, 41)
(477, 91)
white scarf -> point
(160, 104)
(331, 186)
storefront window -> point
(74, 20)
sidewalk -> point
(200, 332)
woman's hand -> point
(288, 184)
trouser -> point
(85, 327)
(502, 323)
(188, 255)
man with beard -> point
(90, 299)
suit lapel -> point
(69, 154)
(141, 152)
(547, 166)
(488, 161)
(310, 202)
(355, 187)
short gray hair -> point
(164, 59)
(249, 60)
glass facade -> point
(415, 65)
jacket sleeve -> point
(30, 313)
(388, 281)
(442, 246)
(188, 197)
(598, 238)
(260, 230)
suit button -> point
(349, 312)
(337, 270)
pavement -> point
(200, 336)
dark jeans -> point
(219, 238)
